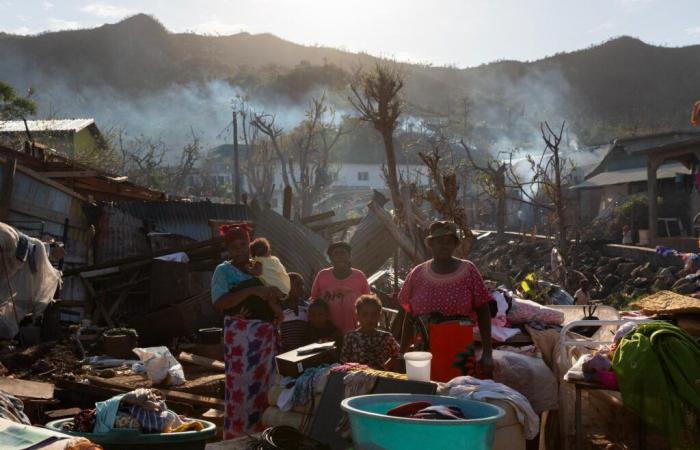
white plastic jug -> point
(418, 365)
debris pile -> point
(612, 278)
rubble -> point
(614, 279)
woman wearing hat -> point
(447, 286)
(250, 335)
(340, 285)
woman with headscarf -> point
(449, 287)
(250, 336)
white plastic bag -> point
(161, 366)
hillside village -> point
(238, 242)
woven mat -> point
(668, 302)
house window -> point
(362, 176)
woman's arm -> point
(232, 299)
(407, 333)
(483, 315)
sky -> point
(462, 33)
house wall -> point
(83, 141)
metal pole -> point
(236, 168)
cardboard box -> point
(292, 364)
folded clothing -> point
(426, 411)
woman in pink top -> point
(340, 285)
(449, 286)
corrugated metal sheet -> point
(15, 126)
(372, 245)
(185, 218)
(623, 176)
(300, 249)
(119, 235)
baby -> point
(268, 268)
(367, 345)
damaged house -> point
(662, 166)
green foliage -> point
(12, 106)
(634, 212)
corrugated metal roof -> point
(17, 126)
(300, 249)
(189, 219)
(644, 143)
(372, 245)
(624, 176)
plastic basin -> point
(372, 429)
(124, 439)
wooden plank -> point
(99, 272)
(201, 361)
(27, 389)
(182, 397)
(61, 413)
(317, 217)
(145, 258)
(8, 183)
(47, 181)
(70, 174)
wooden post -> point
(7, 188)
(287, 203)
(653, 207)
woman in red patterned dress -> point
(448, 286)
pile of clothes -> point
(142, 409)
(426, 411)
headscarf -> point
(236, 231)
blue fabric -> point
(22, 251)
(225, 277)
(151, 421)
(106, 414)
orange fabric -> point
(695, 117)
(447, 341)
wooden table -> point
(586, 385)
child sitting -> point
(267, 267)
(294, 329)
(321, 329)
(367, 345)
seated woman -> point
(367, 345)
(447, 286)
(250, 336)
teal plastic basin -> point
(123, 439)
(372, 429)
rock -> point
(643, 271)
(617, 260)
(660, 285)
(666, 277)
(639, 292)
(624, 270)
(640, 282)
(684, 286)
(610, 281)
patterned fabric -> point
(370, 349)
(151, 421)
(456, 294)
(125, 420)
(340, 296)
(12, 408)
(249, 356)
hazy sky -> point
(459, 32)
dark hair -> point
(368, 300)
(319, 303)
(295, 276)
(260, 247)
(337, 245)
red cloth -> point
(236, 231)
(447, 341)
(455, 294)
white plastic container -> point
(418, 365)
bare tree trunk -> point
(392, 174)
